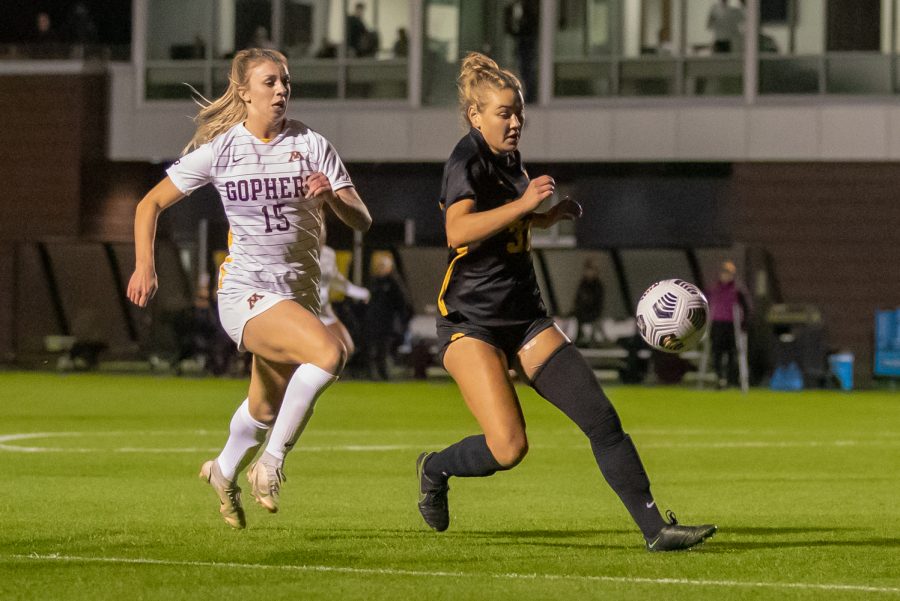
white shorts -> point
(237, 306)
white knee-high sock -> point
(305, 386)
(245, 437)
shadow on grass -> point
(465, 534)
(727, 540)
(871, 543)
(772, 531)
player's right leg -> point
(229, 493)
(289, 335)
(339, 331)
(481, 371)
(268, 384)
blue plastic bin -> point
(841, 365)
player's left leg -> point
(482, 373)
(559, 373)
(246, 433)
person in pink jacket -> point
(728, 302)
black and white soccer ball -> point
(672, 316)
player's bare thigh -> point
(268, 381)
(534, 353)
(288, 333)
(482, 374)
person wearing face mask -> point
(492, 318)
(274, 176)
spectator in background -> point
(195, 330)
(387, 315)
(80, 29)
(261, 38)
(725, 22)
(45, 43)
(588, 305)
(727, 299)
(332, 279)
(44, 32)
(360, 39)
(401, 46)
(522, 19)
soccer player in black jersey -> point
(492, 317)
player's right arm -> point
(143, 283)
(465, 226)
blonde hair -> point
(217, 116)
(476, 73)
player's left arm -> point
(345, 203)
(564, 209)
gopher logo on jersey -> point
(255, 298)
(295, 156)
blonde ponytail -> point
(219, 115)
(477, 72)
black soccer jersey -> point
(491, 282)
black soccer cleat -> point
(675, 537)
(432, 497)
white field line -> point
(351, 448)
(465, 575)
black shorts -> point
(507, 338)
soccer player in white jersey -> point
(274, 175)
(333, 279)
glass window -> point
(178, 49)
(584, 46)
(303, 29)
(714, 43)
(253, 25)
(791, 46)
(377, 46)
(714, 27)
(168, 83)
(858, 42)
(617, 47)
(505, 30)
(441, 51)
(836, 47)
(392, 25)
(312, 38)
(792, 27)
(178, 30)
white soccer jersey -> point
(274, 229)
(328, 265)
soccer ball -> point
(672, 316)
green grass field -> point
(100, 498)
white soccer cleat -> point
(265, 477)
(229, 494)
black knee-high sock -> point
(470, 457)
(566, 380)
